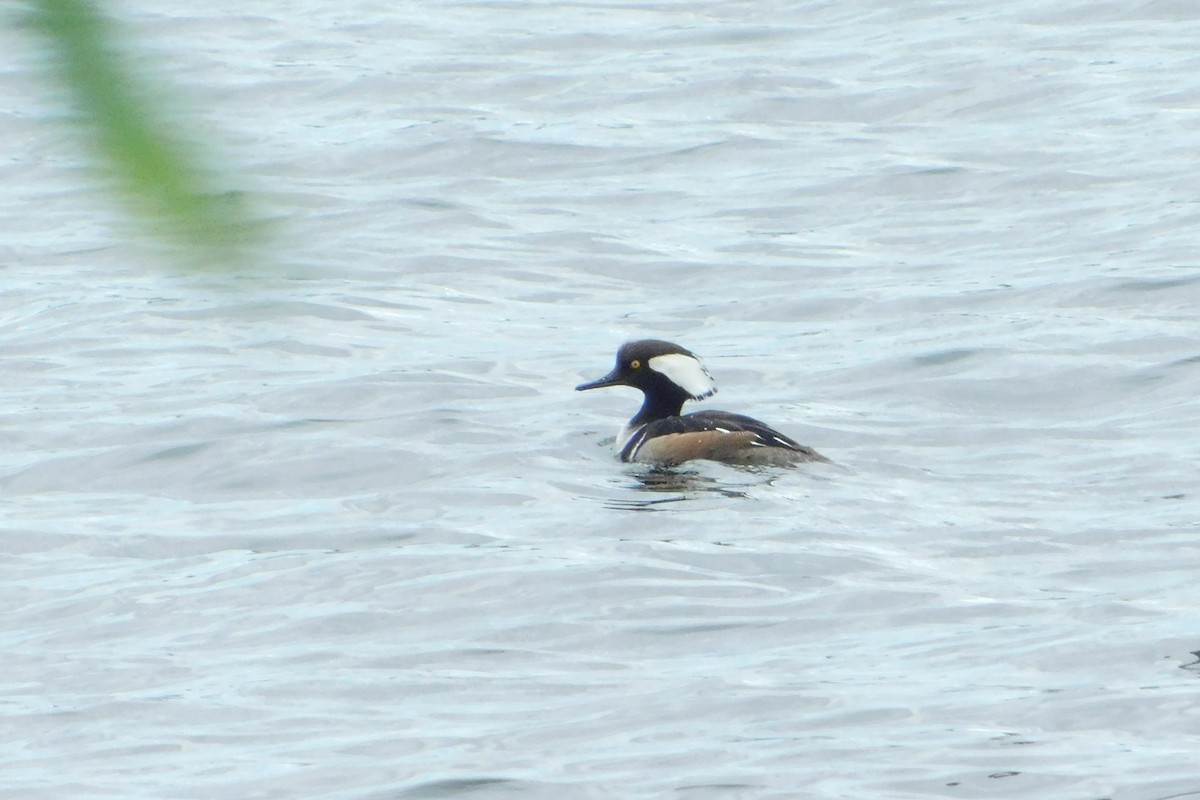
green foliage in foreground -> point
(160, 174)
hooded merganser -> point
(669, 375)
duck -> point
(669, 375)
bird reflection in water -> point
(677, 486)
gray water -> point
(340, 528)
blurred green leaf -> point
(159, 171)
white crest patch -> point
(685, 372)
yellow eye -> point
(635, 364)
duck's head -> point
(658, 368)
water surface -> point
(340, 527)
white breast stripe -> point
(625, 435)
(685, 372)
(640, 436)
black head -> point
(659, 369)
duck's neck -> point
(659, 406)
